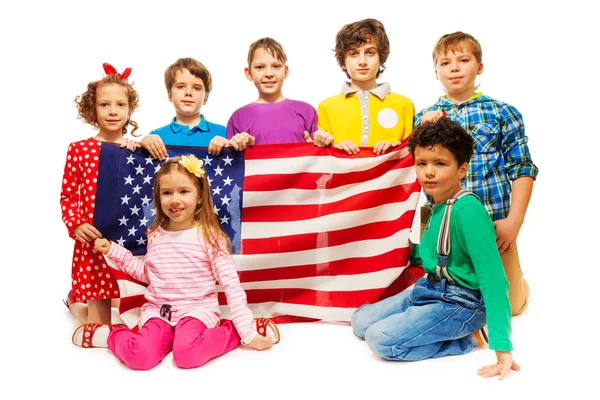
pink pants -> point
(193, 344)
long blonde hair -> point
(204, 216)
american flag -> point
(315, 233)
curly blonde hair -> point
(86, 102)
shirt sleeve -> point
(312, 121)
(475, 232)
(232, 129)
(69, 194)
(517, 158)
(126, 262)
(323, 121)
(227, 276)
(409, 114)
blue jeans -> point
(432, 320)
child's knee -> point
(381, 343)
(185, 354)
(360, 321)
(186, 359)
(141, 361)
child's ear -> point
(287, 72)
(169, 94)
(205, 99)
(248, 73)
(463, 169)
(437, 78)
(479, 68)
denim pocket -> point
(471, 324)
(485, 136)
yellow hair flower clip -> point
(193, 165)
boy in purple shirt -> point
(271, 118)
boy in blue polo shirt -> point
(188, 85)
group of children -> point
(466, 140)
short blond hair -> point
(457, 41)
(271, 46)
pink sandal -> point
(267, 328)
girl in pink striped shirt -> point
(187, 254)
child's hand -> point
(322, 138)
(216, 144)
(260, 343)
(85, 233)
(348, 146)
(307, 137)
(432, 116)
(241, 140)
(505, 363)
(102, 245)
(131, 145)
(507, 231)
(382, 146)
(155, 146)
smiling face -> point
(188, 95)
(268, 74)
(438, 172)
(457, 71)
(179, 200)
(112, 110)
(362, 64)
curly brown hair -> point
(358, 33)
(86, 102)
(204, 216)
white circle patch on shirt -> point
(387, 118)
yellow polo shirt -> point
(367, 117)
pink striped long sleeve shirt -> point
(182, 271)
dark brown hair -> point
(356, 34)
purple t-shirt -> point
(270, 123)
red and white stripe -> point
(324, 234)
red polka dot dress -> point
(91, 278)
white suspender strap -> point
(443, 244)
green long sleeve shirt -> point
(473, 262)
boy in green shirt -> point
(445, 313)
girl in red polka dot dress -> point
(107, 105)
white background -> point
(538, 58)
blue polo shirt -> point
(182, 135)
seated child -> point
(364, 113)
(271, 118)
(446, 312)
(188, 85)
(187, 254)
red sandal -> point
(84, 335)
(267, 328)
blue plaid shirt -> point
(501, 153)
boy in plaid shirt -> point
(501, 171)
